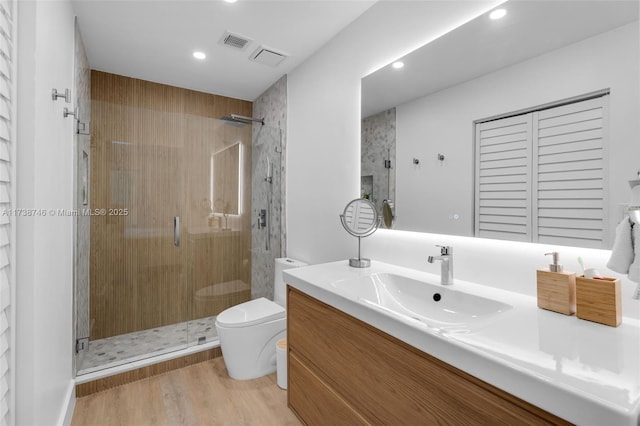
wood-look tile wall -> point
(151, 148)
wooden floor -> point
(201, 394)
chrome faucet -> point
(446, 267)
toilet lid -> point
(250, 313)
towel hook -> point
(66, 112)
(67, 95)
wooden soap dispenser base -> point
(556, 288)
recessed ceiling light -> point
(199, 55)
(231, 1)
(397, 65)
(498, 14)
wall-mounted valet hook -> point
(66, 112)
(67, 95)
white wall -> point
(441, 123)
(45, 155)
(323, 158)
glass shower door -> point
(171, 245)
(217, 226)
(138, 299)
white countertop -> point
(584, 372)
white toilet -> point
(249, 331)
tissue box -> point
(599, 300)
(557, 291)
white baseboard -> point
(66, 413)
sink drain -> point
(437, 297)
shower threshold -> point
(133, 348)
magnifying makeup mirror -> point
(360, 219)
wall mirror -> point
(419, 122)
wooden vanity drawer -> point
(314, 400)
(388, 381)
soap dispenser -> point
(556, 288)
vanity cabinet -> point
(344, 371)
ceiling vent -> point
(267, 56)
(234, 41)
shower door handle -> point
(176, 231)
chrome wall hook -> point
(67, 95)
(66, 113)
(416, 161)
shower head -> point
(240, 120)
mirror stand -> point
(359, 262)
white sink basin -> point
(437, 306)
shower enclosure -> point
(171, 228)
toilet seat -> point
(250, 313)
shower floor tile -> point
(117, 350)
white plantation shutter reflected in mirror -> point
(570, 174)
(540, 176)
(7, 120)
(503, 178)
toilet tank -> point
(279, 286)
